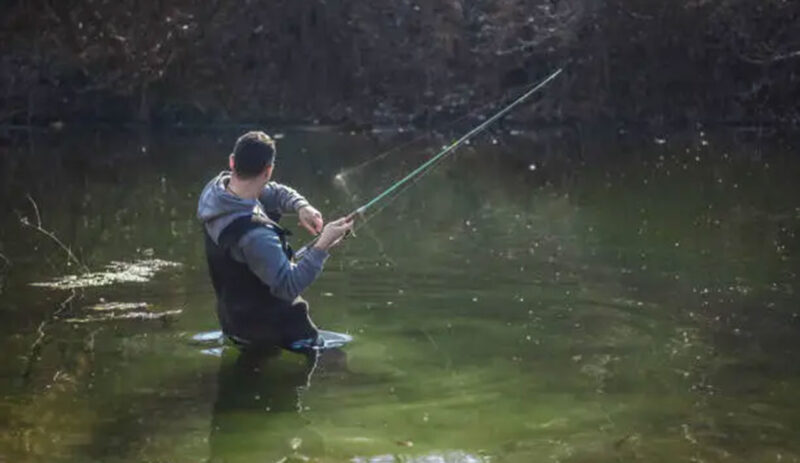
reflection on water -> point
(259, 413)
(140, 271)
(453, 456)
(624, 300)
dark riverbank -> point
(178, 62)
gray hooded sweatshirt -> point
(260, 248)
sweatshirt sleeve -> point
(276, 197)
(264, 256)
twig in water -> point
(35, 210)
(448, 361)
(36, 347)
(38, 227)
(165, 316)
(6, 264)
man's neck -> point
(245, 189)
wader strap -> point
(231, 235)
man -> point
(258, 286)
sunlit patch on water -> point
(140, 271)
(208, 337)
(107, 311)
(455, 456)
(128, 315)
(112, 306)
(212, 343)
(214, 351)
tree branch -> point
(771, 60)
(38, 227)
(38, 343)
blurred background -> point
(607, 274)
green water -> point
(536, 299)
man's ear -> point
(268, 171)
(230, 162)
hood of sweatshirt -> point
(217, 207)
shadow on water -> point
(255, 400)
(259, 411)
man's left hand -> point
(311, 219)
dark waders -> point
(250, 315)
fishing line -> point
(430, 163)
(345, 172)
(370, 233)
(439, 131)
(340, 179)
(396, 195)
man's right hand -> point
(334, 232)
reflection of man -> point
(259, 411)
(258, 286)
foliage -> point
(179, 61)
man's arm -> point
(263, 254)
(281, 198)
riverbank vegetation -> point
(182, 62)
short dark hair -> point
(252, 153)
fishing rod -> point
(419, 170)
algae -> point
(140, 271)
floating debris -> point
(632, 439)
(113, 306)
(148, 252)
(214, 352)
(140, 271)
(295, 443)
(209, 337)
(164, 316)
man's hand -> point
(310, 219)
(334, 232)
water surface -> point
(537, 298)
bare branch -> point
(772, 59)
(38, 227)
(35, 210)
(38, 343)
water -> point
(626, 299)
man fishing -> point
(257, 285)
